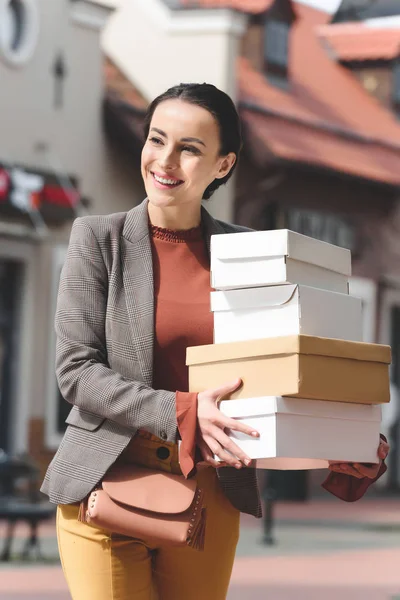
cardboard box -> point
(300, 366)
(305, 434)
(260, 258)
(283, 310)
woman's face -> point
(181, 156)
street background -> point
(323, 550)
(317, 86)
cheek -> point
(147, 157)
(199, 170)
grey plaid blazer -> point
(104, 356)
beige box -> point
(260, 258)
(282, 310)
(305, 434)
(299, 366)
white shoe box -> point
(305, 434)
(261, 258)
(267, 312)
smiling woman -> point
(134, 294)
(192, 144)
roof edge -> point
(318, 125)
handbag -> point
(156, 507)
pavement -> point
(324, 550)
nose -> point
(168, 159)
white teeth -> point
(165, 181)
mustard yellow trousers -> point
(99, 565)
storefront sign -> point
(24, 191)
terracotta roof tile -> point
(299, 143)
(326, 117)
(356, 41)
(247, 6)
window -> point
(276, 47)
(19, 30)
(327, 227)
(15, 24)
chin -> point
(161, 199)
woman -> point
(134, 294)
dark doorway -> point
(10, 285)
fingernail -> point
(238, 466)
(247, 462)
(255, 434)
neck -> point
(174, 217)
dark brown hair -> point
(222, 108)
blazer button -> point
(162, 453)
(163, 435)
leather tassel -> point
(199, 534)
(82, 512)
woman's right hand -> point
(211, 436)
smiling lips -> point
(166, 182)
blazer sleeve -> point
(83, 374)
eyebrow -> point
(186, 139)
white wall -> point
(69, 139)
(36, 134)
(157, 47)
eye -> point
(191, 149)
(155, 140)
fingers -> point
(361, 470)
(226, 389)
(358, 470)
(235, 425)
(348, 469)
(209, 416)
(383, 449)
(223, 455)
(207, 454)
(370, 471)
(233, 449)
(211, 425)
(339, 468)
(335, 467)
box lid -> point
(272, 296)
(293, 344)
(270, 405)
(280, 242)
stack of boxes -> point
(285, 324)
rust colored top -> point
(182, 318)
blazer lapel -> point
(137, 272)
(210, 227)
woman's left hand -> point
(361, 470)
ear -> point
(226, 165)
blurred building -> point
(55, 164)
